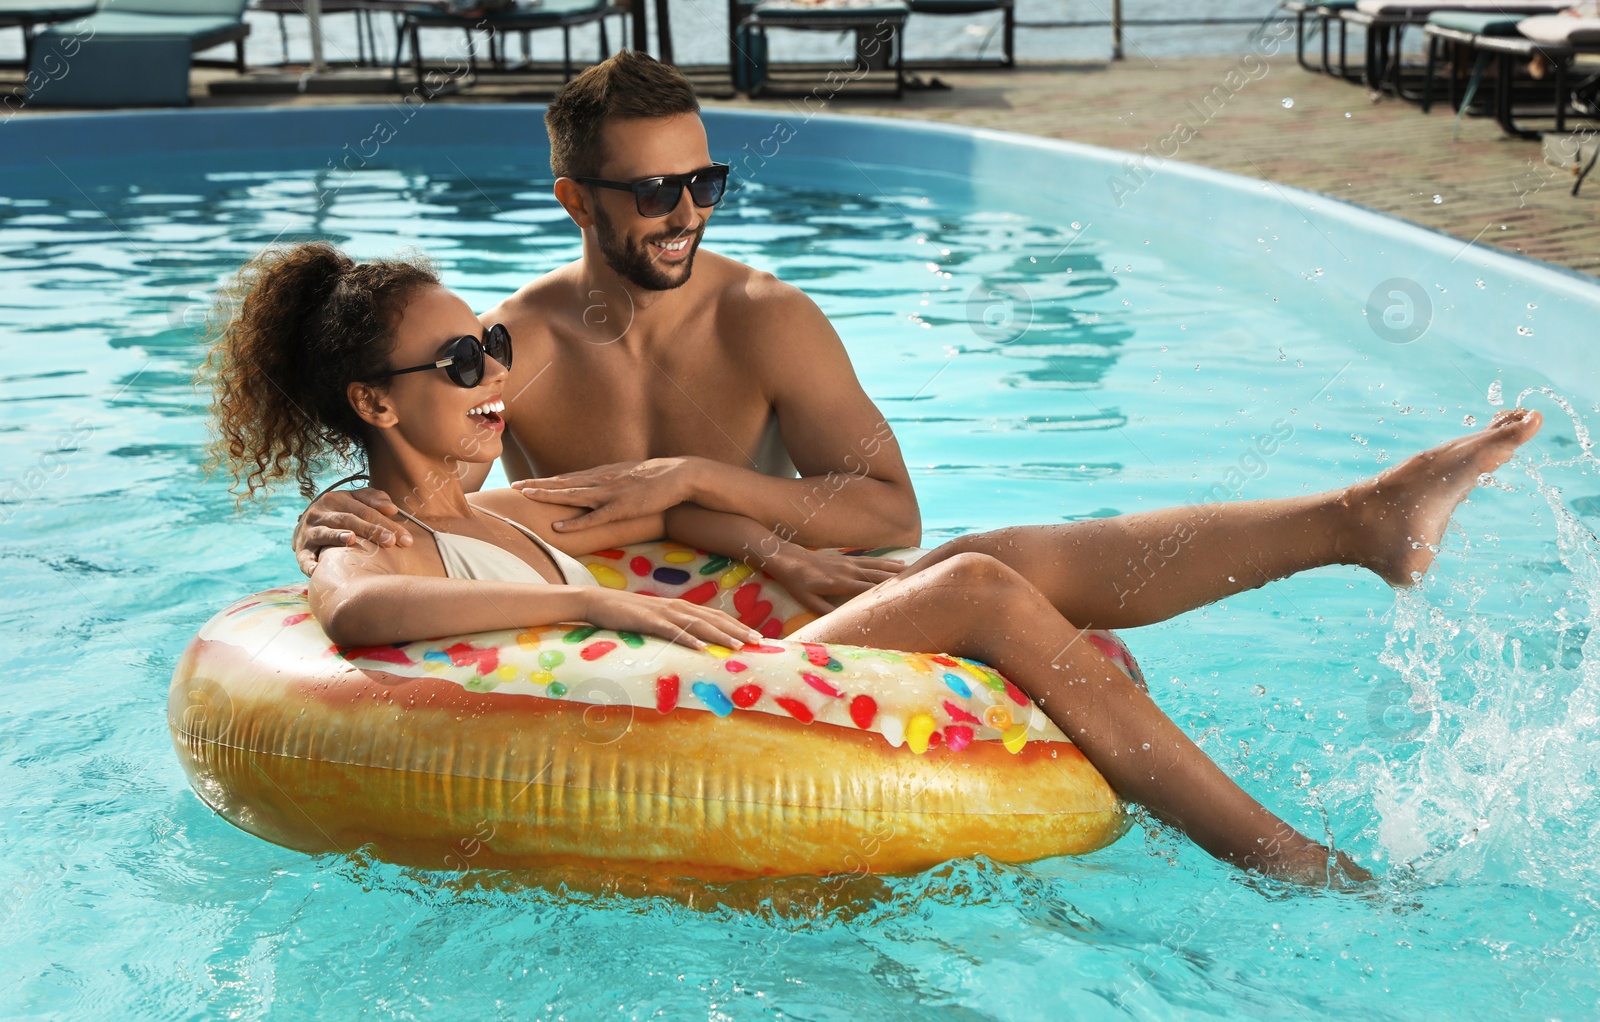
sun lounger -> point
(366, 37)
(29, 15)
(879, 26)
(1325, 15)
(523, 19)
(133, 52)
(1512, 41)
(1385, 23)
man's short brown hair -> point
(629, 84)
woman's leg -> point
(975, 606)
(1142, 568)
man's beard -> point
(632, 262)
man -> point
(643, 381)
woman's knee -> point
(987, 580)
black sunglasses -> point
(658, 196)
(464, 361)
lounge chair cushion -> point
(1561, 29)
(1476, 23)
(800, 9)
(202, 32)
(187, 8)
(545, 11)
(1420, 8)
(33, 12)
(960, 6)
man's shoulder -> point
(744, 290)
(534, 301)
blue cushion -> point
(117, 24)
(1476, 23)
(36, 12)
(791, 10)
(544, 11)
(188, 8)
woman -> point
(379, 360)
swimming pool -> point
(1043, 353)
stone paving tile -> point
(1384, 154)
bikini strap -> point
(413, 518)
(514, 524)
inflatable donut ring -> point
(569, 746)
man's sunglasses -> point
(463, 362)
(658, 196)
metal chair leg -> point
(1009, 37)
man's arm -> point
(819, 580)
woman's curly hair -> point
(297, 327)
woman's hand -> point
(687, 624)
(812, 576)
(626, 489)
(344, 518)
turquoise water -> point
(1446, 737)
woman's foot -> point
(1400, 515)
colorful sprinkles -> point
(960, 701)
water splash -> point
(1505, 668)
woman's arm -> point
(361, 600)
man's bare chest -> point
(574, 420)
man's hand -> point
(812, 576)
(623, 490)
(344, 518)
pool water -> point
(1035, 371)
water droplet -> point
(1496, 394)
(1438, 199)
(1033, 259)
(1260, 690)
(1319, 271)
(1126, 302)
(1358, 438)
(1347, 113)
(1524, 331)
(1077, 226)
(1287, 102)
(1481, 284)
(1469, 420)
(1532, 306)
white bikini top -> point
(470, 557)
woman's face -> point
(428, 411)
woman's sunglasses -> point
(658, 196)
(464, 361)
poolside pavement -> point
(1333, 137)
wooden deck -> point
(1333, 138)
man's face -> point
(652, 253)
